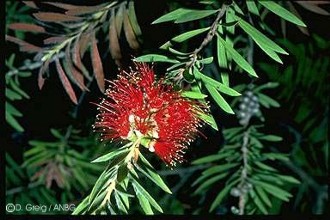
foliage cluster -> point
(214, 59)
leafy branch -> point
(73, 32)
(125, 165)
(248, 176)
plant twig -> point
(242, 185)
(32, 65)
(208, 38)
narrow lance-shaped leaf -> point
(263, 195)
(282, 12)
(210, 158)
(153, 175)
(274, 190)
(97, 65)
(220, 168)
(224, 192)
(13, 122)
(258, 202)
(133, 19)
(219, 86)
(119, 18)
(222, 62)
(55, 17)
(81, 10)
(24, 46)
(173, 15)
(144, 203)
(27, 27)
(205, 60)
(207, 183)
(114, 46)
(77, 77)
(77, 55)
(183, 37)
(238, 58)
(155, 58)
(66, 84)
(209, 120)
(194, 15)
(109, 156)
(129, 33)
(219, 99)
(193, 95)
(313, 6)
(268, 101)
(260, 39)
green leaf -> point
(258, 202)
(13, 122)
(12, 95)
(266, 177)
(219, 99)
(230, 18)
(274, 190)
(267, 101)
(120, 205)
(264, 166)
(219, 168)
(194, 15)
(263, 195)
(18, 89)
(124, 198)
(10, 161)
(139, 189)
(209, 182)
(193, 95)
(122, 172)
(104, 178)
(259, 37)
(110, 155)
(209, 120)
(272, 138)
(173, 15)
(155, 58)
(12, 110)
(238, 58)
(271, 53)
(218, 85)
(276, 156)
(222, 62)
(269, 85)
(56, 133)
(230, 132)
(282, 12)
(252, 7)
(80, 176)
(289, 179)
(152, 175)
(206, 60)
(221, 195)
(183, 37)
(144, 203)
(210, 158)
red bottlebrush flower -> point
(139, 106)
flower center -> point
(147, 139)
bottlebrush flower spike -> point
(139, 107)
